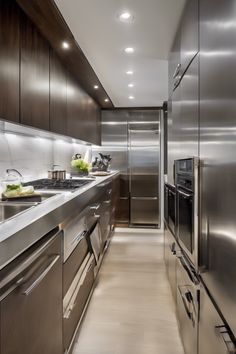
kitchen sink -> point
(9, 209)
(46, 195)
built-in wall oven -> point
(186, 181)
(170, 207)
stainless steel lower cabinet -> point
(213, 334)
(73, 263)
(75, 300)
(144, 211)
(31, 301)
(187, 305)
(105, 220)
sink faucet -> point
(10, 170)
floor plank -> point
(131, 310)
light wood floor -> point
(131, 310)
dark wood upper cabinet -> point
(83, 114)
(34, 83)
(93, 134)
(189, 33)
(58, 95)
(9, 60)
(76, 120)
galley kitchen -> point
(117, 177)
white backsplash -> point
(33, 156)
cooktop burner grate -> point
(67, 184)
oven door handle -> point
(79, 237)
(186, 195)
(171, 192)
(191, 275)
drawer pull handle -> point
(73, 300)
(224, 335)
(79, 237)
(42, 275)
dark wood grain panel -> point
(83, 114)
(76, 120)
(94, 123)
(58, 95)
(34, 76)
(50, 22)
(9, 60)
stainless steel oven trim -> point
(193, 257)
(196, 213)
(182, 245)
(170, 223)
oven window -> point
(186, 221)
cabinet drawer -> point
(31, 311)
(73, 263)
(75, 228)
(213, 335)
(76, 298)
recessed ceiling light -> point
(125, 17)
(96, 87)
(131, 97)
(129, 50)
(65, 45)
(131, 85)
(129, 72)
(106, 100)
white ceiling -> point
(102, 37)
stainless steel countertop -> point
(22, 231)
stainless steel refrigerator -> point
(144, 157)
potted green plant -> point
(81, 166)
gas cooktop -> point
(57, 184)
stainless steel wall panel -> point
(217, 152)
(183, 120)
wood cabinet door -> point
(93, 134)
(34, 83)
(74, 101)
(83, 114)
(58, 111)
(9, 60)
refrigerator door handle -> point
(223, 333)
